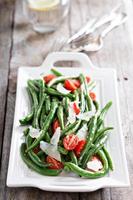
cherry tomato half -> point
(88, 79)
(76, 108)
(76, 82)
(93, 96)
(69, 85)
(56, 124)
(55, 164)
(70, 142)
(48, 78)
(79, 147)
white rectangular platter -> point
(19, 175)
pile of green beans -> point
(48, 105)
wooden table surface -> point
(19, 45)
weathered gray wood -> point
(117, 53)
(5, 53)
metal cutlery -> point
(93, 24)
(96, 43)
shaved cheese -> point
(56, 136)
(34, 133)
(94, 165)
(86, 116)
(53, 152)
(82, 133)
(71, 114)
(62, 90)
(44, 145)
(51, 148)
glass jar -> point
(45, 15)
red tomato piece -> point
(76, 82)
(79, 147)
(55, 164)
(69, 85)
(56, 124)
(93, 96)
(48, 78)
(36, 149)
(70, 142)
(88, 79)
(94, 158)
(76, 108)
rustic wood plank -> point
(5, 46)
(6, 144)
(91, 196)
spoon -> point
(92, 25)
(96, 43)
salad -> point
(65, 128)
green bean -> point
(110, 162)
(101, 132)
(42, 118)
(89, 124)
(73, 157)
(88, 99)
(102, 114)
(47, 105)
(90, 137)
(74, 128)
(54, 92)
(27, 119)
(38, 112)
(62, 150)
(96, 105)
(88, 174)
(35, 103)
(46, 124)
(26, 131)
(67, 169)
(50, 130)
(59, 79)
(47, 137)
(68, 127)
(31, 165)
(38, 83)
(71, 128)
(32, 155)
(32, 86)
(96, 147)
(91, 85)
(42, 90)
(76, 93)
(40, 153)
(82, 97)
(55, 72)
(37, 160)
(67, 101)
(60, 116)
